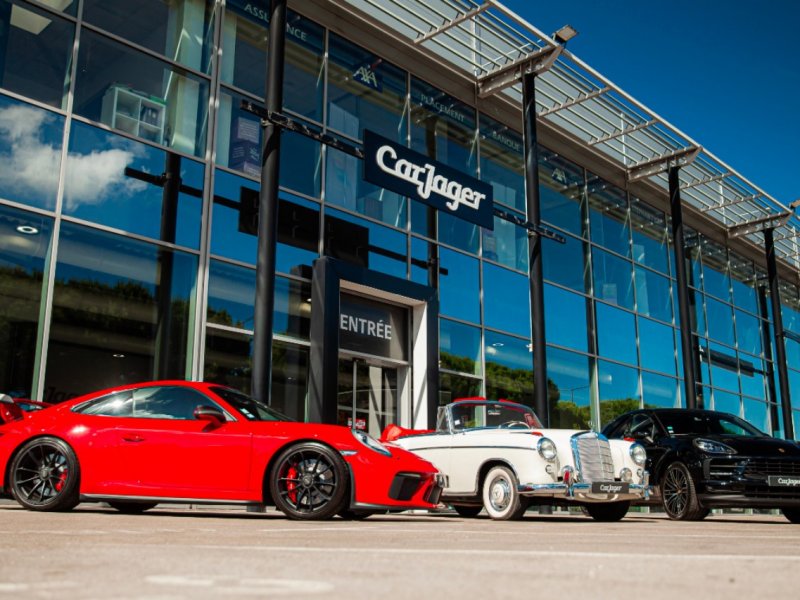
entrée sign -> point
(412, 174)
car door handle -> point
(133, 438)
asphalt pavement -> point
(173, 553)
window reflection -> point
(613, 281)
(656, 346)
(619, 390)
(459, 290)
(231, 295)
(616, 333)
(459, 347)
(744, 282)
(568, 389)
(509, 368)
(507, 244)
(566, 263)
(608, 216)
(30, 151)
(121, 313)
(653, 295)
(650, 242)
(506, 300)
(180, 30)
(720, 321)
(716, 278)
(24, 248)
(134, 187)
(35, 54)
(561, 189)
(757, 413)
(452, 387)
(457, 232)
(659, 392)
(151, 101)
(503, 163)
(726, 402)
(565, 318)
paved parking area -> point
(180, 553)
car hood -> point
(757, 446)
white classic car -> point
(497, 456)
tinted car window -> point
(149, 403)
(250, 408)
(707, 423)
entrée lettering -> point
(362, 326)
(427, 181)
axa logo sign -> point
(365, 75)
(412, 174)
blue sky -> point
(726, 73)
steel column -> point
(535, 273)
(687, 346)
(777, 328)
(260, 384)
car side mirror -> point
(211, 414)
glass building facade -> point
(128, 191)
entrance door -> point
(368, 394)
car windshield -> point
(492, 415)
(679, 423)
(250, 408)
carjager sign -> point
(412, 174)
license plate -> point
(784, 481)
(609, 487)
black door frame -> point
(326, 284)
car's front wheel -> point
(309, 481)
(501, 498)
(608, 513)
(793, 514)
(44, 475)
(679, 496)
(132, 508)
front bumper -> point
(583, 492)
(409, 486)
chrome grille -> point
(593, 457)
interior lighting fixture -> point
(27, 230)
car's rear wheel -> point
(608, 513)
(501, 498)
(309, 481)
(132, 508)
(679, 496)
(793, 514)
(468, 511)
(44, 475)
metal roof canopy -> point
(492, 45)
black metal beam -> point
(766, 342)
(682, 293)
(268, 210)
(777, 328)
(535, 273)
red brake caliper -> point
(291, 486)
(62, 479)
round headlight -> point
(547, 449)
(638, 454)
(626, 475)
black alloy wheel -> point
(793, 514)
(309, 481)
(44, 475)
(608, 512)
(468, 511)
(131, 508)
(679, 496)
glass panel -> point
(442, 127)
(506, 300)
(459, 347)
(457, 232)
(561, 189)
(790, 306)
(231, 295)
(720, 321)
(656, 346)
(757, 413)
(650, 244)
(619, 391)
(507, 244)
(364, 92)
(121, 312)
(509, 368)
(748, 333)
(30, 152)
(659, 391)
(729, 403)
(24, 247)
(459, 291)
(616, 333)
(566, 263)
(37, 47)
(568, 389)
(152, 101)
(365, 243)
(292, 314)
(692, 248)
(743, 278)
(181, 30)
(422, 253)
(613, 279)
(608, 216)
(345, 187)
(503, 163)
(724, 367)
(452, 387)
(653, 295)
(716, 279)
(565, 318)
(290, 366)
(244, 60)
(751, 376)
(134, 187)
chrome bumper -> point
(582, 492)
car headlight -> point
(547, 449)
(712, 447)
(638, 454)
(371, 443)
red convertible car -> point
(175, 441)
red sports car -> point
(175, 441)
(13, 409)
